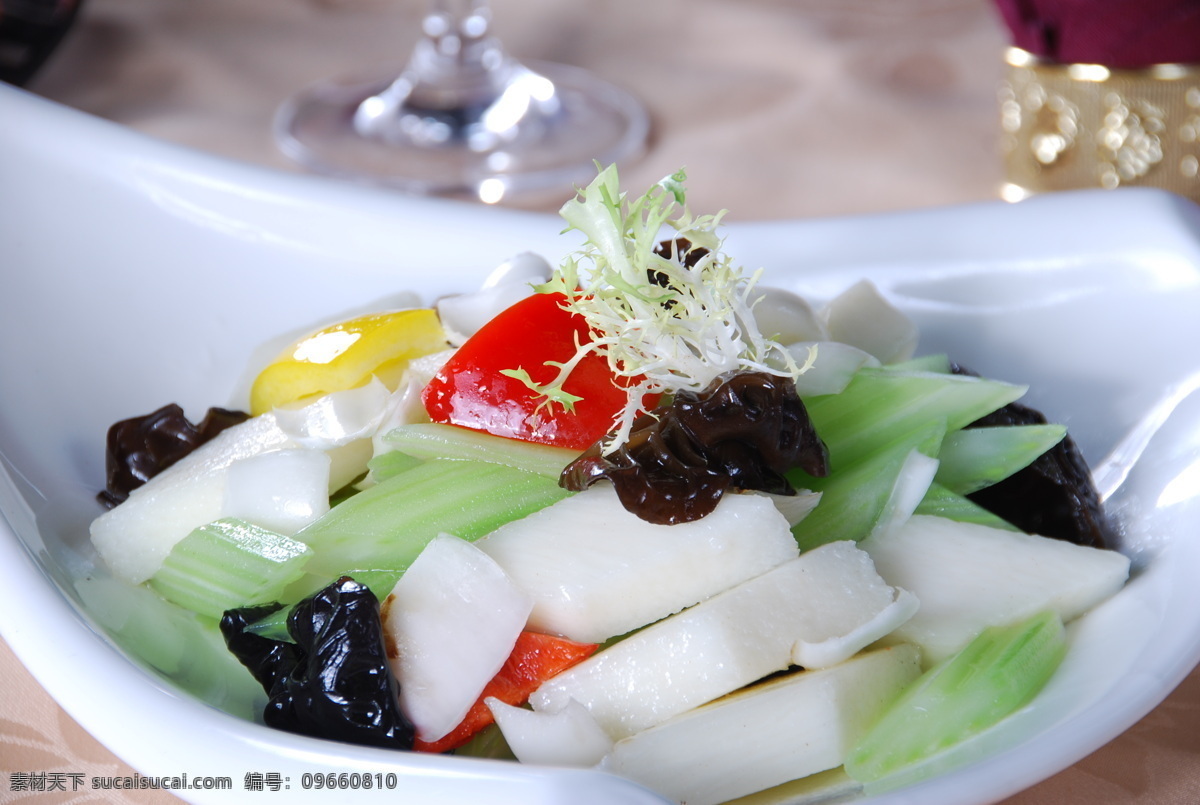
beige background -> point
(778, 108)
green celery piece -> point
(882, 406)
(856, 500)
(941, 502)
(926, 363)
(434, 440)
(380, 581)
(229, 563)
(178, 644)
(273, 626)
(975, 458)
(996, 674)
(394, 462)
(387, 525)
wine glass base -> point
(595, 122)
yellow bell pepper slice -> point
(345, 355)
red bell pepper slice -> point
(471, 390)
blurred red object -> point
(30, 30)
(1125, 34)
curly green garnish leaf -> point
(550, 394)
(663, 325)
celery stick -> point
(273, 626)
(179, 645)
(994, 675)
(387, 525)
(881, 406)
(379, 580)
(941, 502)
(855, 501)
(978, 457)
(385, 465)
(435, 440)
(229, 563)
(924, 363)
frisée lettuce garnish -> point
(666, 320)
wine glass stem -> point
(463, 117)
(448, 22)
(456, 72)
(456, 58)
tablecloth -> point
(777, 108)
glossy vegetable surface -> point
(743, 432)
(534, 659)
(139, 448)
(334, 681)
(477, 388)
(346, 354)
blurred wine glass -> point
(463, 118)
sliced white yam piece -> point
(786, 317)
(135, 537)
(724, 643)
(833, 368)
(281, 491)
(566, 737)
(785, 728)
(861, 317)
(451, 621)
(256, 435)
(596, 570)
(970, 576)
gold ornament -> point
(1067, 126)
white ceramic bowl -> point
(135, 273)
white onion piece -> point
(834, 367)
(833, 650)
(338, 418)
(404, 406)
(794, 508)
(787, 317)
(281, 491)
(912, 484)
(565, 737)
(454, 617)
(861, 317)
(463, 314)
(525, 267)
